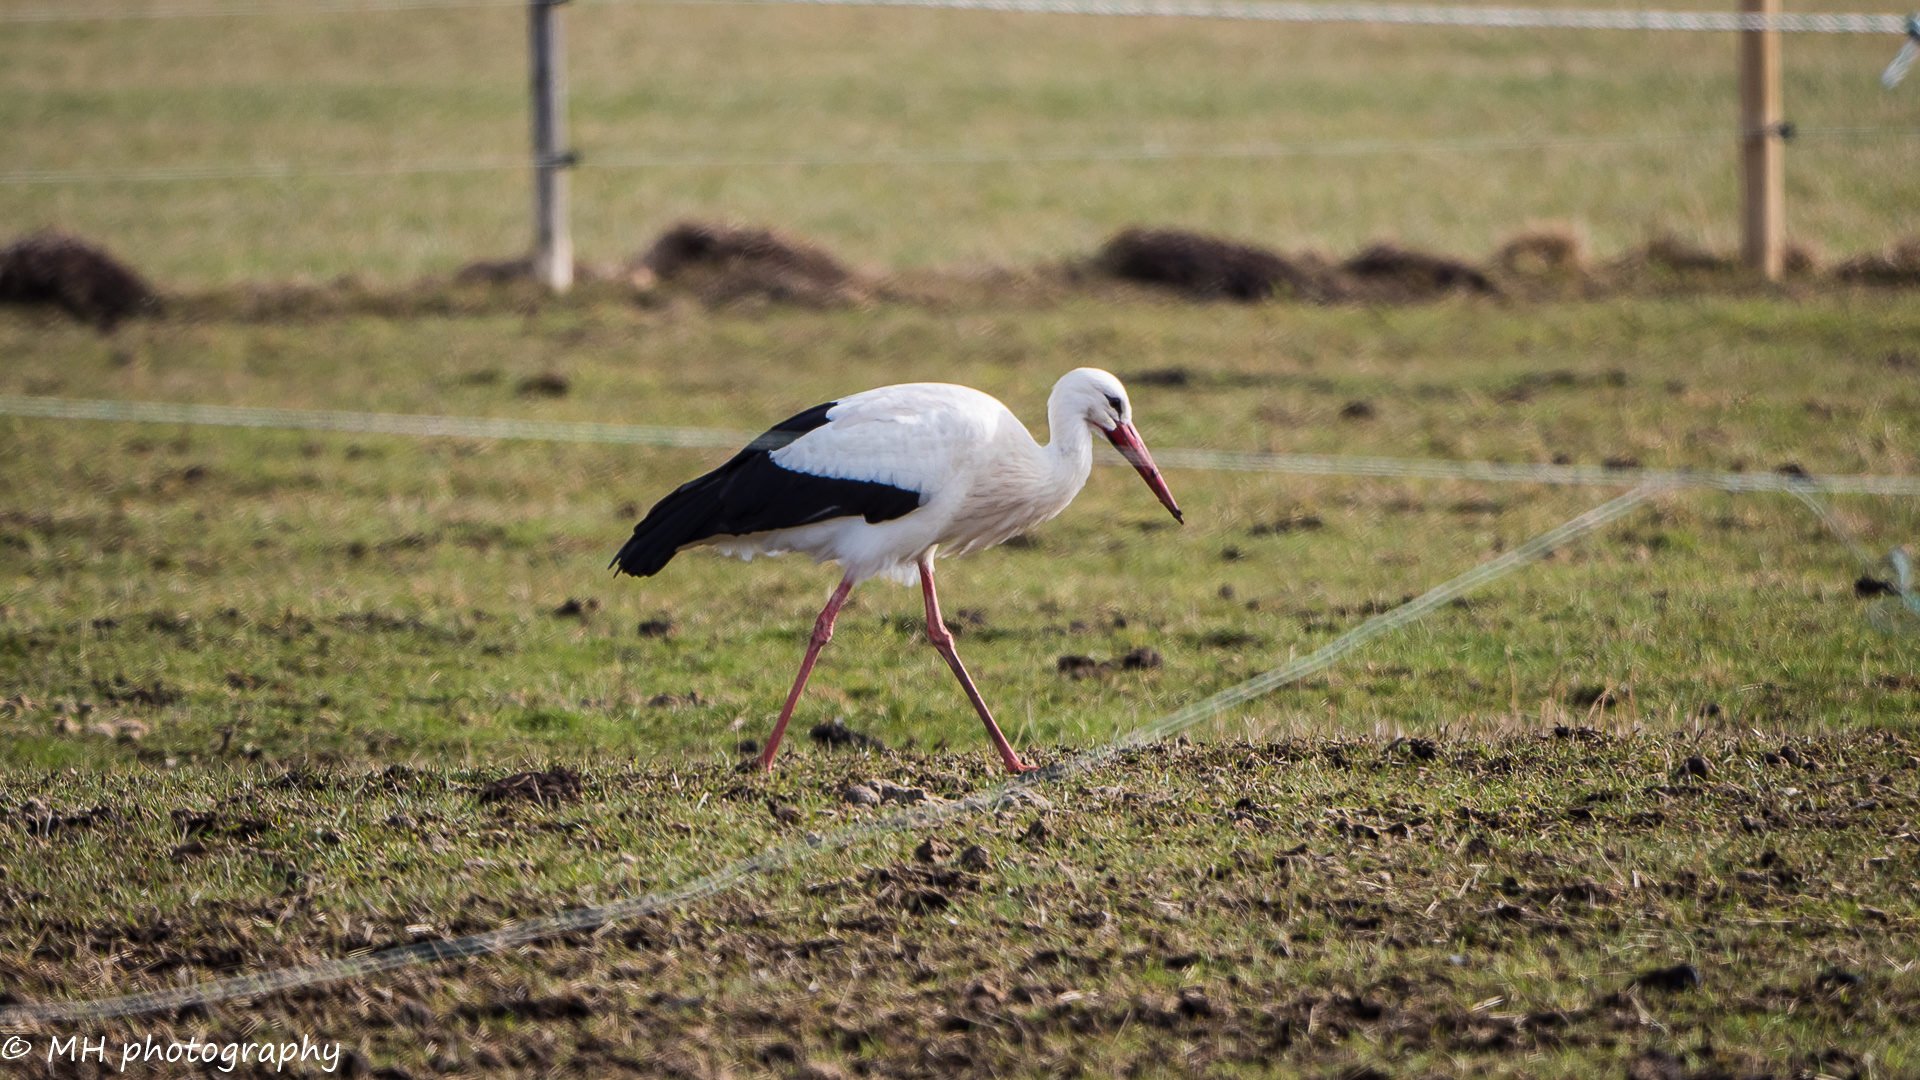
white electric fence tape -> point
(919, 816)
(1408, 15)
(1390, 14)
(283, 170)
(474, 427)
(1899, 614)
(1904, 59)
(926, 815)
(1648, 482)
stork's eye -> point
(1113, 401)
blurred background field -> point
(346, 99)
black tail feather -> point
(672, 524)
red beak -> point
(1127, 441)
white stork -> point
(882, 481)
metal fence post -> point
(552, 242)
(1762, 165)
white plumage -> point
(883, 481)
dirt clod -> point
(544, 384)
(1078, 667)
(724, 264)
(1206, 267)
(548, 788)
(66, 272)
(1415, 273)
(1839, 979)
(1420, 749)
(1677, 978)
(835, 734)
(1898, 265)
(1867, 585)
(891, 792)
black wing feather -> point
(751, 494)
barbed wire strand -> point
(909, 157)
(1385, 14)
(691, 438)
(780, 856)
(1396, 14)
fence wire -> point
(1645, 485)
(1385, 14)
(475, 427)
(216, 171)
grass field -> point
(303, 593)
(370, 91)
(1644, 808)
(316, 647)
(1501, 907)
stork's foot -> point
(1016, 766)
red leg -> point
(943, 641)
(822, 633)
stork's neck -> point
(1069, 445)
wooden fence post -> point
(1762, 168)
(552, 242)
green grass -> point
(337, 597)
(366, 91)
(318, 646)
(323, 644)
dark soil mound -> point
(1209, 267)
(1403, 273)
(54, 268)
(549, 788)
(724, 264)
(1899, 266)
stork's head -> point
(1099, 398)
